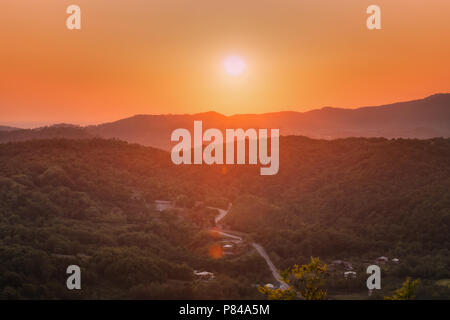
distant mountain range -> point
(7, 128)
(422, 119)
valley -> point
(89, 202)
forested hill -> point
(90, 203)
(359, 198)
(352, 198)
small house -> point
(349, 274)
(270, 286)
(204, 275)
(382, 260)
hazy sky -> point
(167, 56)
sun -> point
(234, 65)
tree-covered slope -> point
(90, 203)
(352, 198)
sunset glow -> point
(211, 154)
(157, 57)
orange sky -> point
(166, 56)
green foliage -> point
(406, 292)
(305, 281)
(354, 199)
(89, 202)
(184, 201)
(308, 279)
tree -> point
(305, 281)
(278, 294)
(406, 292)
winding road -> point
(258, 247)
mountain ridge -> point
(420, 118)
